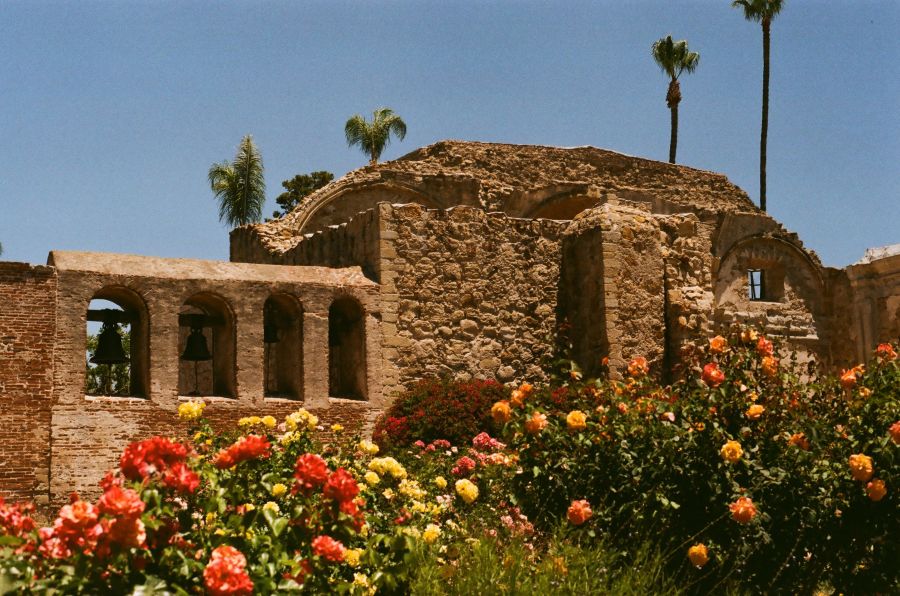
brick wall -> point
(27, 334)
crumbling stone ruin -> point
(459, 259)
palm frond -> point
(240, 185)
(674, 57)
(757, 10)
(373, 137)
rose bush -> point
(789, 483)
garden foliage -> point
(740, 476)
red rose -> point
(765, 347)
(311, 472)
(141, 459)
(246, 448)
(225, 574)
(121, 502)
(712, 376)
(181, 478)
(328, 548)
(341, 486)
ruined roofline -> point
(488, 144)
(201, 269)
(514, 178)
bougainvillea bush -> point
(434, 409)
(756, 476)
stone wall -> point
(466, 292)
(27, 334)
(612, 288)
(875, 299)
(463, 292)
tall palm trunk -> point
(765, 116)
(673, 98)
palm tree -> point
(239, 185)
(373, 138)
(674, 58)
(762, 11)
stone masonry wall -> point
(27, 333)
(612, 288)
(467, 293)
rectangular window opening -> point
(757, 284)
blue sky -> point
(112, 112)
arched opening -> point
(206, 344)
(346, 349)
(283, 338)
(117, 352)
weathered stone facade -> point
(459, 259)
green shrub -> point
(439, 409)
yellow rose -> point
(698, 555)
(191, 410)
(467, 490)
(440, 482)
(269, 421)
(352, 555)
(368, 447)
(576, 420)
(336, 428)
(731, 452)
(371, 478)
(431, 534)
(278, 490)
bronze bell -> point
(195, 348)
(109, 346)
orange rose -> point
(743, 510)
(712, 376)
(861, 467)
(517, 398)
(638, 367)
(876, 490)
(526, 389)
(718, 344)
(894, 431)
(500, 412)
(576, 420)
(755, 411)
(536, 423)
(849, 377)
(770, 366)
(799, 440)
(699, 555)
(579, 512)
(764, 347)
(885, 352)
(749, 335)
